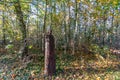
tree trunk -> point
(51, 17)
(3, 30)
(69, 31)
(75, 29)
(19, 13)
(44, 28)
(49, 55)
(104, 32)
(65, 30)
(3, 25)
(38, 29)
(112, 26)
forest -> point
(59, 39)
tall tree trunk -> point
(3, 25)
(51, 15)
(38, 28)
(44, 28)
(75, 29)
(19, 13)
(69, 32)
(116, 36)
(111, 41)
(3, 29)
(65, 30)
(103, 42)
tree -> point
(19, 13)
(50, 66)
(3, 29)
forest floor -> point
(68, 67)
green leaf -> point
(9, 46)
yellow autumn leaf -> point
(2, 8)
(70, 3)
(78, 1)
(98, 78)
(18, 38)
(115, 2)
(106, 79)
(1, 22)
(86, 78)
(33, 73)
(30, 46)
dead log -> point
(49, 55)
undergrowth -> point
(80, 66)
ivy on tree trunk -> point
(22, 25)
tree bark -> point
(3, 25)
(69, 31)
(75, 29)
(49, 55)
(3, 30)
(19, 13)
(44, 28)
